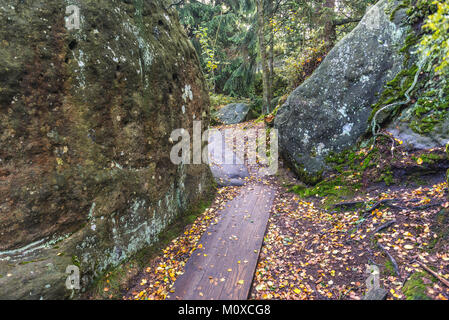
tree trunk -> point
(263, 55)
(271, 54)
(330, 34)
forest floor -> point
(316, 249)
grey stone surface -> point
(85, 120)
(376, 294)
(400, 128)
(329, 111)
(233, 113)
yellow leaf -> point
(419, 161)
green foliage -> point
(435, 43)
(302, 62)
(224, 39)
(218, 100)
(225, 35)
(208, 52)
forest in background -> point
(261, 50)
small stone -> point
(376, 294)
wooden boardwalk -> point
(223, 269)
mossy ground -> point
(441, 229)
(354, 170)
(415, 288)
(333, 191)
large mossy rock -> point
(329, 112)
(85, 120)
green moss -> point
(431, 108)
(111, 280)
(387, 177)
(415, 288)
(392, 11)
(333, 190)
(353, 160)
(429, 158)
(395, 90)
(389, 268)
(76, 261)
(303, 175)
(441, 229)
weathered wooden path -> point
(223, 268)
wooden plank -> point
(213, 272)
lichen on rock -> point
(85, 118)
(329, 112)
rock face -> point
(85, 119)
(437, 137)
(330, 110)
(233, 113)
(424, 123)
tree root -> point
(393, 261)
(436, 275)
(374, 125)
(384, 226)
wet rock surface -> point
(85, 120)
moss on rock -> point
(415, 288)
(85, 117)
